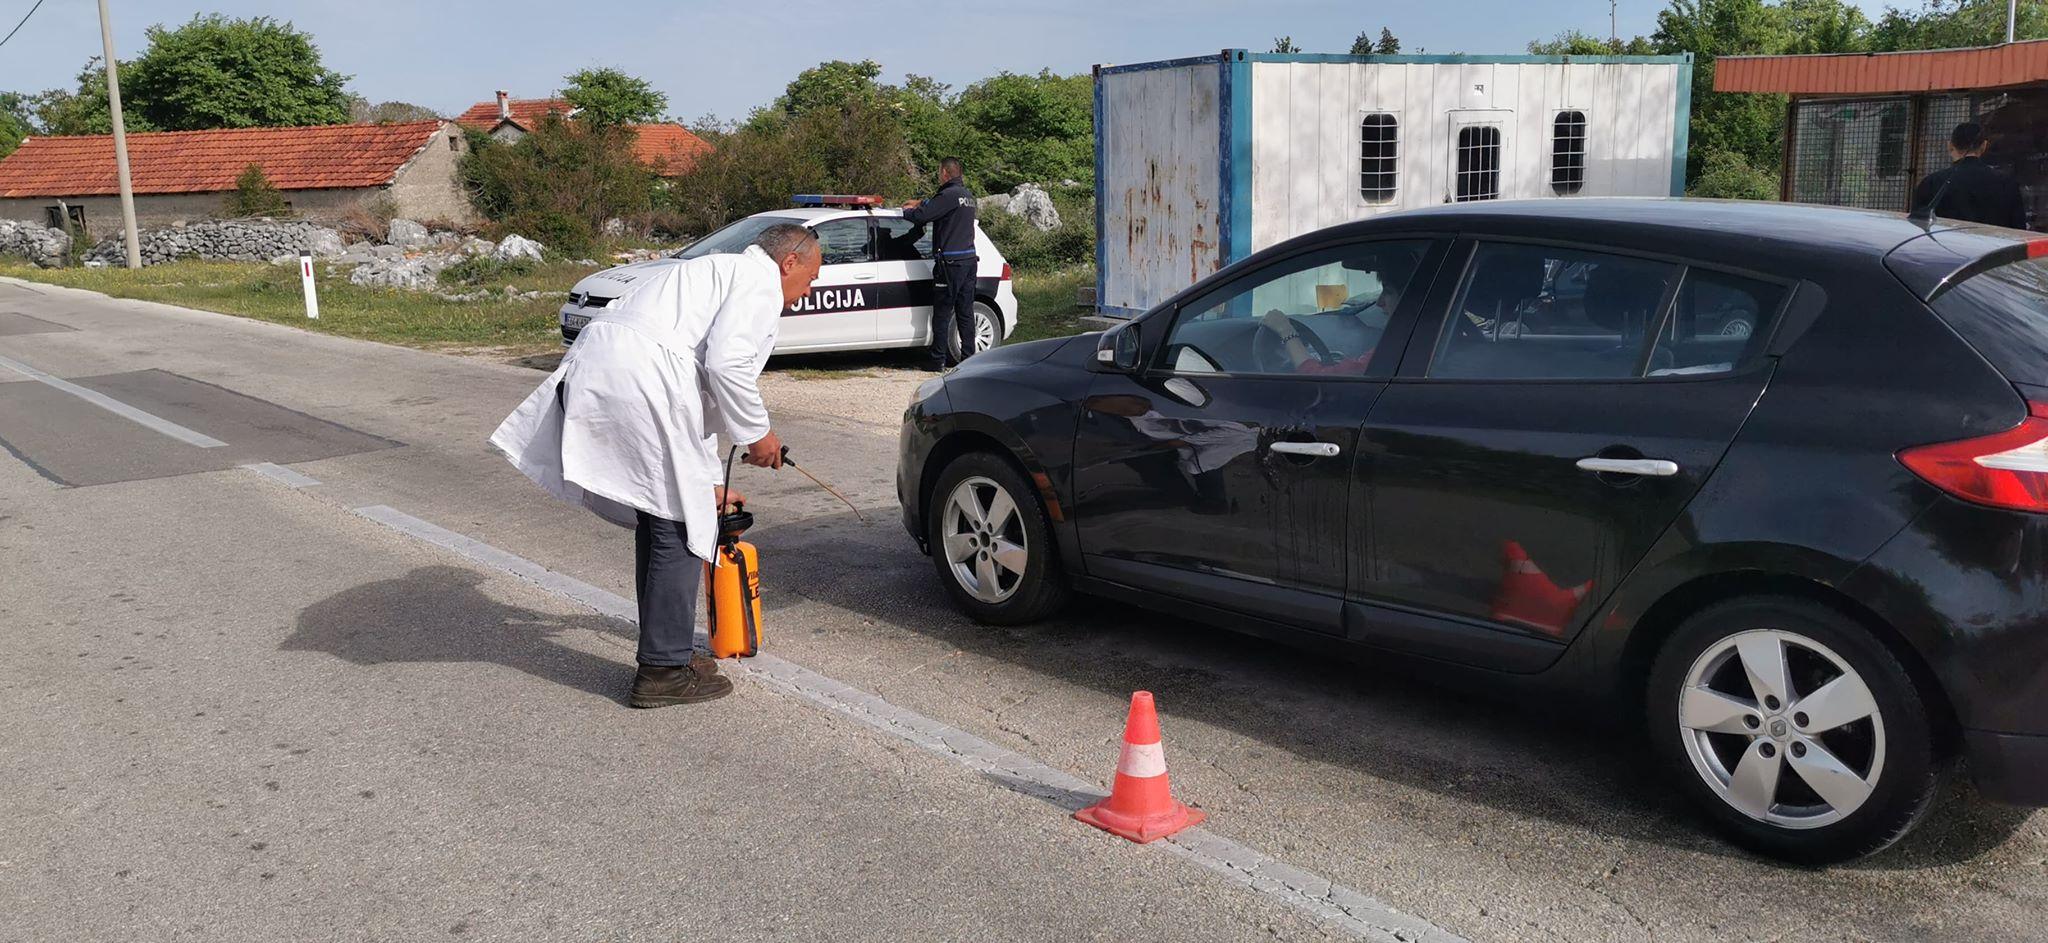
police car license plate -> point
(575, 322)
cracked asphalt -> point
(240, 711)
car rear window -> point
(2003, 312)
(734, 238)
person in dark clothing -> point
(950, 212)
(1971, 189)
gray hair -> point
(786, 239)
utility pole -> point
(134, 239)
(1613, 22)
(2012, 18)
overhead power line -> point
(24, 22)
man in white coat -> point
(628, 427)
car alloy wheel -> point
(1782, 729)
(984, 540)
(985, 331)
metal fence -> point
(1853, 152)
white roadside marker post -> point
(306, 280)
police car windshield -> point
(733, 238)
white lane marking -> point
(118, 408)
(282, 475)
(1362, 915)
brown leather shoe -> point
(664, 685)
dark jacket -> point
(951, 212)
(1977, 192)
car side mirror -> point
(1118, 349)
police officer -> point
(1971, 189)
(951, 213)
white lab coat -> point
(630, 420)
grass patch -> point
(1045, 303)
(271, 293)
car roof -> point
(1765, 236)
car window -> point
(734, 238)
(1318, 314)
(845, 241)
(1718, 323)
(903, 240)
(1541, 312)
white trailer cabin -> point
(1200, 162)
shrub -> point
(483, 269)
(1730, 176)
(558, 184)
(369, 221)
(254, 195)
(1028, 249)
(559, 231)
(856, 148)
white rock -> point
(517, 247)
(1031, 202)
(995, 201)
(615, 227)
(405, 233)
(475, 246)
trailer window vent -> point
(1568, 153)
(1379, 145)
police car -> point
(874, 291)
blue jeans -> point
(666, 578)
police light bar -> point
(840, 200)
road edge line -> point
(1362, 914)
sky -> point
(726, 58)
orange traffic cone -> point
(1528, 597)
(1141, 806)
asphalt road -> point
(238, 708)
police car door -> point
(839, 311)
(904, 274)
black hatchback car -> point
(1811, 553)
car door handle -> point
(1313, 449)
(1649, 467)
(863, 276)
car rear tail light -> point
(2005, 470)
(1006, 271)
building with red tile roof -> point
(669, 149)
(184, 175)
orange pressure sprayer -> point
(732, 586)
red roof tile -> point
(332, 156)
(670, 149)
(1886, 72)
(526, 113)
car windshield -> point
(2003, 312)
(735, 237)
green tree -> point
(1575, 43)
(1030, 128)
(834, 84)
(254, 195)
(857, 147)
(216, 72)
(17, 120)
(85, 111)
(608, 97)
(361, 111)
(1387, 44)
(1948, 24)
(1285, 44)
(932, 125)
(1727, 175)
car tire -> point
(1002, 569)
(1751, 758)
(988, 331)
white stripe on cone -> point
(1142, 760)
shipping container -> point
(1202, 161)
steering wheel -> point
(1270, 352)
